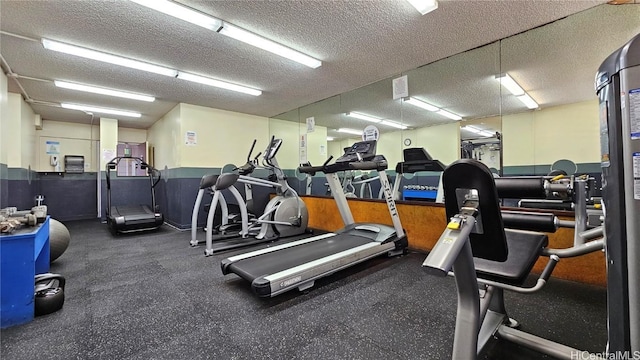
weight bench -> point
(486, 258)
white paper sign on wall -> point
(303, 148)
(53, 148)
(370, 133)
(311, 124)
(400, 87)
(190, 138)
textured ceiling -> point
(359, 43)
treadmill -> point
(130, 218)
(416, 160)
(298, 264)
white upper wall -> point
(317, 147)
(544, 136)
(223, 137)
(442, 142)
(28, 137)
(128, 135)
(14, 129)
(164, 139)
(18, 133)
(390, 145)
(73, 139)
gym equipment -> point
(476, 148)
(363, 181)
(234, 222)
(231, 225)
(617, 86)
(298, 264)
(415, 160)
(12, 219)
(486, 258)
(129, 218)
(58, 239)
(49, 293)
(582, 184)
(305, 179)
(284, 215)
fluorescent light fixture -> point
(209, 22)
(420, 104)
(393, 124)
(218, 83)
(350, 131)
(478, 131)
(103, 91)
(330, 138)
(510, 84)
(182, 12)
(528, 101)
(250, 38)
(363, 117)
(450, 115)
(424, 6)
(108, 58)
(89, 108)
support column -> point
(107, 151)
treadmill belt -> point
(131, 210)
(276, 261)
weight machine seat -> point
(524, 250)
(500, 254)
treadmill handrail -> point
(113, 164)
(380, 164)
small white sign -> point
(323, 150)
(53, 148)
(400, 87)
(370, 133)
(108, 154)
(303, 148)
(311, 124)
(190, 138)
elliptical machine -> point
(284, 215)
(231, 224)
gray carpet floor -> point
(152, 296)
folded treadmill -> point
(296, 265)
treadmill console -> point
(360, 151)
(416, 154)
(418, 159)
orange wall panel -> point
(424, 224)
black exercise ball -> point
(58, 239)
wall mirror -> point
(464, 98)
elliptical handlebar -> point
(251, 164)
(251, 150)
